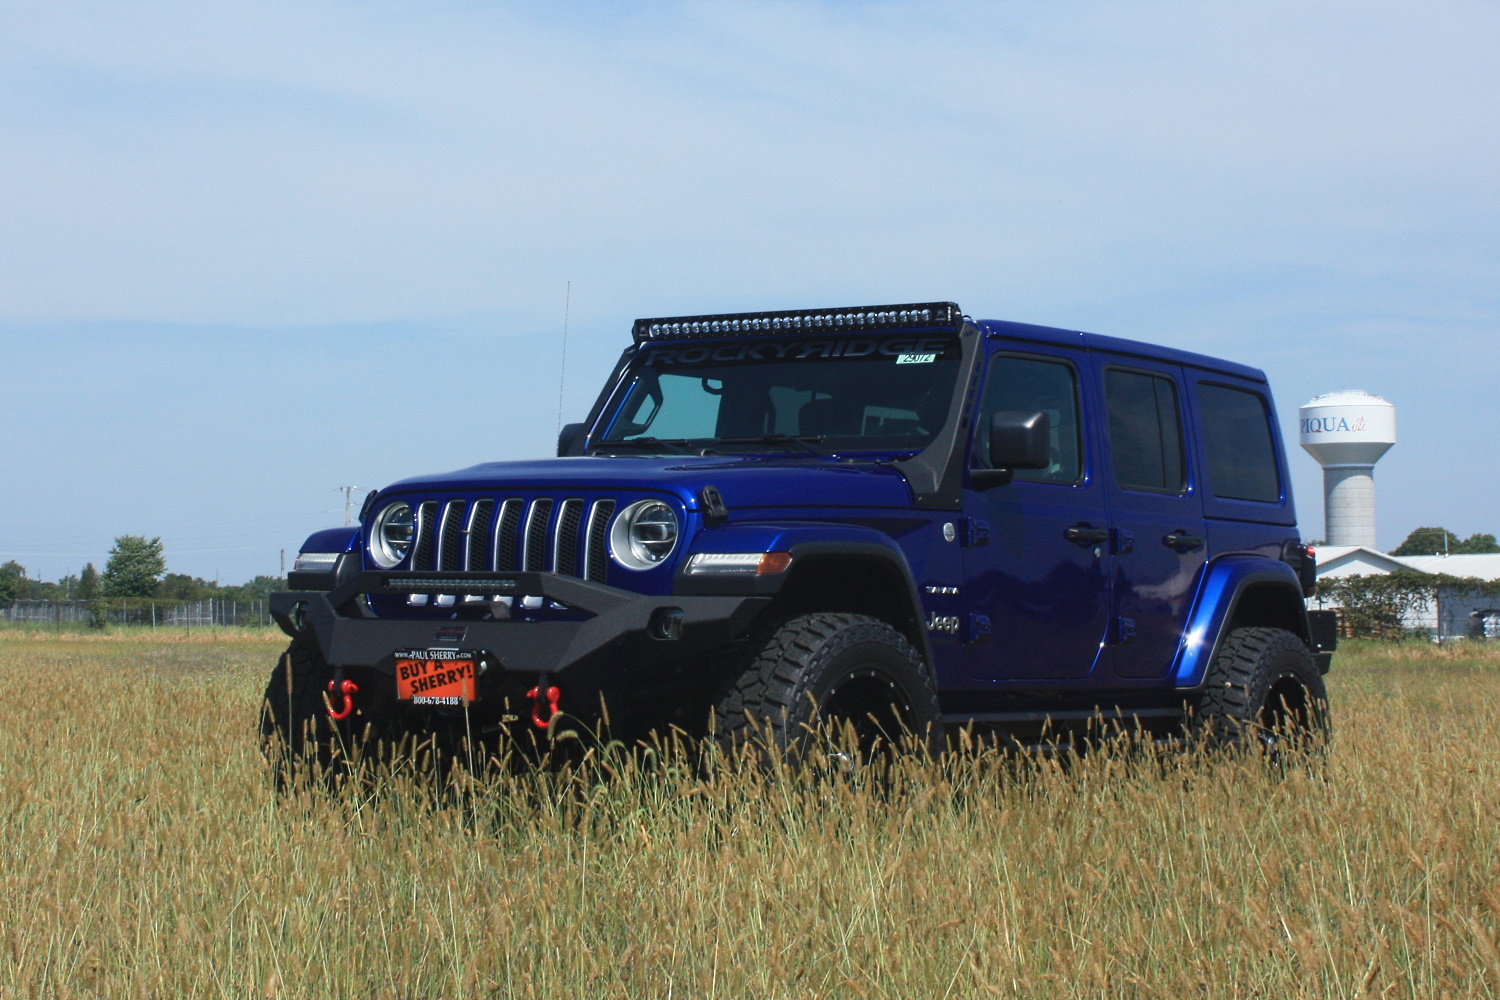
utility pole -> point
(348, 504)
(562, 375)
(283, 564)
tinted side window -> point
(1145, 431)
(1029, 385)
(1241, 457)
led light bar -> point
(895, 317)
(449, 585)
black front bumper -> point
(620, 623)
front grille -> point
(479, 535)
(449, 537)
(426, 531)
(534, 547)
(595, 554)
(505, 539)
(499, 534)
(565, 540)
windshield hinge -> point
(711, 501)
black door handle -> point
(1182, 541)
(1086, 534)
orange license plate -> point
(435, 676)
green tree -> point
(1427, 542)
(46, 590)
(88, 584)
(14, 586)
(1477, 544)
(181, 587)
(257, 589)
(1436, 541)
(7, 590)
(135, 564)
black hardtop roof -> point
(1117, 345)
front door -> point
(1160, 534)
(1036, 552)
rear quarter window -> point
(1237, 432)
(1145, 432)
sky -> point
(251, 254)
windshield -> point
(785, 395)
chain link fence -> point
(210, 613)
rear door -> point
(1159, 533)
(1035, 549)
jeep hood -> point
(744, 481)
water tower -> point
(1347, 432)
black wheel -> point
(295, 728)
(825, 671)
(1263, 689)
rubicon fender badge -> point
(452, 633)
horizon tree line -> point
(136, 567)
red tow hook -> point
(543, 699)
(346, 688)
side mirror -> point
(570, 437)
(1018, 440)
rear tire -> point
(824, 669)
(1263, 690)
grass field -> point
(144, 853)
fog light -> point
(666, 624)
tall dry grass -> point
(144, 853)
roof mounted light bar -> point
(894, 317)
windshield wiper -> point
(803, 441)
(674, 446)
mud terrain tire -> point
(1263, 689)
(295, 729)
(825, 668)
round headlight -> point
(391, 534)
(643, 534)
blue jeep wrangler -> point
(892, 517)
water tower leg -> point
(1349, 504)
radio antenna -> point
(562, 374)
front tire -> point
(826, 670)
(1262, 690)
(295, 729)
